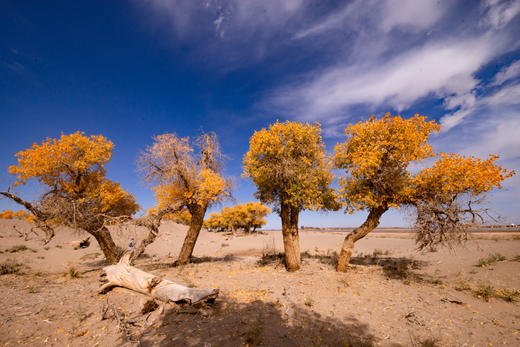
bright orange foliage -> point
(244, 216)
(376, 155)
(7, 214)
(74, 165)
(288, 165)
(454, 174)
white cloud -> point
(414, 15)
(411, 14)
(507, 73)
(503, 97)
(445, 69)
(500, 12)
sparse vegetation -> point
(462, 286)
(19, 248)
(490, 260)
(516, 258)
(73, 273)
(309, 301)
(11, 267)
(484, 292)
(509, 295)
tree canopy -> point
(249, 217)
(287, 163)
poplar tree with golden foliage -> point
(78, 194)
(186, 179)
(248, 217)
(376, 156)
(288, 165)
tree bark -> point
(291, 241)
(124, 275)
(370, 224)
(152, 223)
(197, 219)
(111, 251)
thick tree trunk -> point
(291, 241)
(111, 251)
(197, 218)
(370, 224)
(124, 275)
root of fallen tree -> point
(126, 276)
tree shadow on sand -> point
(400, 268)
(229, 323)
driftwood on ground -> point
(126, 276)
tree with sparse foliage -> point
(78, 193)
(182, 178)
(288, 165)
(376, 156)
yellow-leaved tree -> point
(78, 194)
(248, 217)
(288, 165)
(186, 179)
(376, 156)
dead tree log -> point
(126, 276)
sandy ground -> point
(392, 295)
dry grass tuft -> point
(491, 259)
(11, 267)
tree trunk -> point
(291, 241)
(197, 218)
(152, 223)
(370, 224)
(111, 251)
(124, 275)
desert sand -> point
(393, 295)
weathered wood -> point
(126, 276)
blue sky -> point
(133, 69)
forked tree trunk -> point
(291, 240)
(152, 223)
(124, 275)
(370, 224)
(197, 219)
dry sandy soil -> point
(392, 295)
